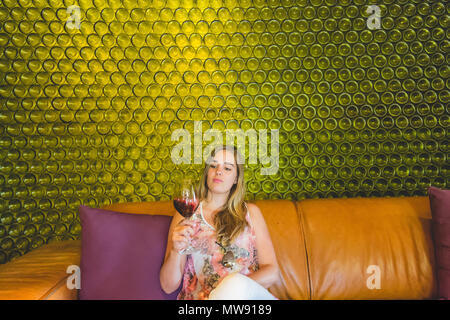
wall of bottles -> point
(87, 112)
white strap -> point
(203, 218)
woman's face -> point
(222, 173)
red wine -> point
(186, 207)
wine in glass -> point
(185, 201)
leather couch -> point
(348, 248)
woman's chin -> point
(218, 189)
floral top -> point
(206, 266)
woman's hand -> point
(181, 236)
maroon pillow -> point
(121, 255)
(440, 211)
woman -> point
(236, 258)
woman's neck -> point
(215, 201)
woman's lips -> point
(217, 180)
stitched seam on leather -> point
(52, 290)
(302, 224)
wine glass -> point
(185, 201)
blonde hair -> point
(230, 220)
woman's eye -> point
(229, 169)
(212, 166)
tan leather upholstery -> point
(40, 273)
(346, 236)
(324, 248)
(157, 207)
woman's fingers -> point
(180, 242)
(185, 223)
(185, 229)
(181, 236)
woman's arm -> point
(171, 271)
(268, 266)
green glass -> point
(359, 111)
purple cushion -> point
(121, 255)
(440, 211)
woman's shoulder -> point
(252, 208)
(253, 213)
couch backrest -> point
(343, 248)
(352, 241)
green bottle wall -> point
(87, 114)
